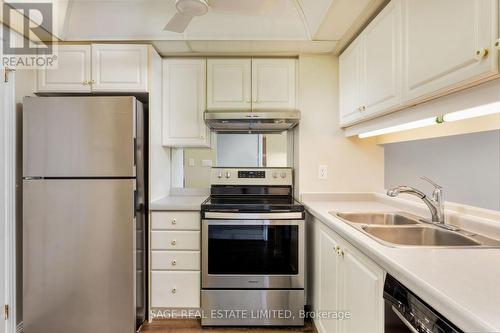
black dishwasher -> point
(406, 312)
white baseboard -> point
(19, 328)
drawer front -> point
(175, 221)
(176, 260)
(175, 240)
(175, 289)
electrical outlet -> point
(323, 172)
(191, 162)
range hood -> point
(274, 121)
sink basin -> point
(419, 236)
(378, 218)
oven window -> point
(253, 249)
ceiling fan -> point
(187, 9)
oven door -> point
(253, 254)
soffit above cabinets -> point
(242, 48)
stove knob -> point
(219, 175)
(228, 174)
(283, 175)
(275, 174)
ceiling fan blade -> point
(178, 23)
(249, 7)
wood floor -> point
(193, 326)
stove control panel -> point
(252, 176)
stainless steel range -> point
(253, 249)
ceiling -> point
(282, 27)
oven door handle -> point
(254, 216)
(404, 320)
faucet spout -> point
(435, 204)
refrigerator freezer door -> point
(78, 136)
(78, 256)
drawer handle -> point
(174, 290)
(173, 242)
(174, 221)
(174, 262)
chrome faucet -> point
(435, 204)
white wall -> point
(353, 165)
(159, 159)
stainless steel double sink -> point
(402, 230)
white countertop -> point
(178, 202)
(462, 284)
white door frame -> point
(8, 132)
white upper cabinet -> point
(273, 83)
(184, 101)
(370, 68)
(447, 43)
(120, 67)
(381, 83)
(350, 100)
(73, 73)
(229, 84)
(97, 68)
(413, 51)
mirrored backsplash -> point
(191, 166)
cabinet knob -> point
(92, 82)
(338, 250)
(174, 290)
(85, 82)
(174, 221)
(174, 262)
(173, 242)
(481, 53)
(497, 44)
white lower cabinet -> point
(175, 289)
(175, 259)
(345, 280)
(175, 240)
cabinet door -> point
(441, 39)
(184, 100)
(72, 73)
(362, 286)
(119, 67)
(273, 84)
(229, 84)
(329, 278)
(382, 62)
(350, 68)
(175, 289)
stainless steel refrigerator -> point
(84, 204)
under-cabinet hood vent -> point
(274, 121)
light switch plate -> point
(323, 172)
